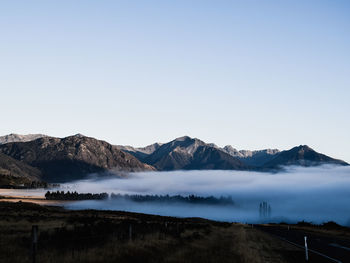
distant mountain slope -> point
(258, 158)
(188, 153)
(301, 155)
(141, 152)
(20, 138)
(72, 157)
(14, 173)
(252, 158)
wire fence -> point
(81, 237)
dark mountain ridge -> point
(301, 155)
(72, 157)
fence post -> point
(130, 232)
(306, 252)
(34, 242)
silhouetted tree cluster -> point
(193, 199)
(61, 195)
(210, 200)
(264, 210)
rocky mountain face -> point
(15, 173)
(190, 153)
(71, 158)
(301, 155)
(20, 138)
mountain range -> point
(186, 153)
(190, 153)
(37, 157)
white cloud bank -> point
(316, 194)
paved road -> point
(337, 249)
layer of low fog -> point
(312, 194)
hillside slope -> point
(14, 173)
(72, 158)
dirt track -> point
(32, 199)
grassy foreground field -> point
(111, 236)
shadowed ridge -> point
(72, 157)
(302, 155)
(14, 172)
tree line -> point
(193, 199)
(61, 195)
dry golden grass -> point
(102, 236)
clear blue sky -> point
(253, 74)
